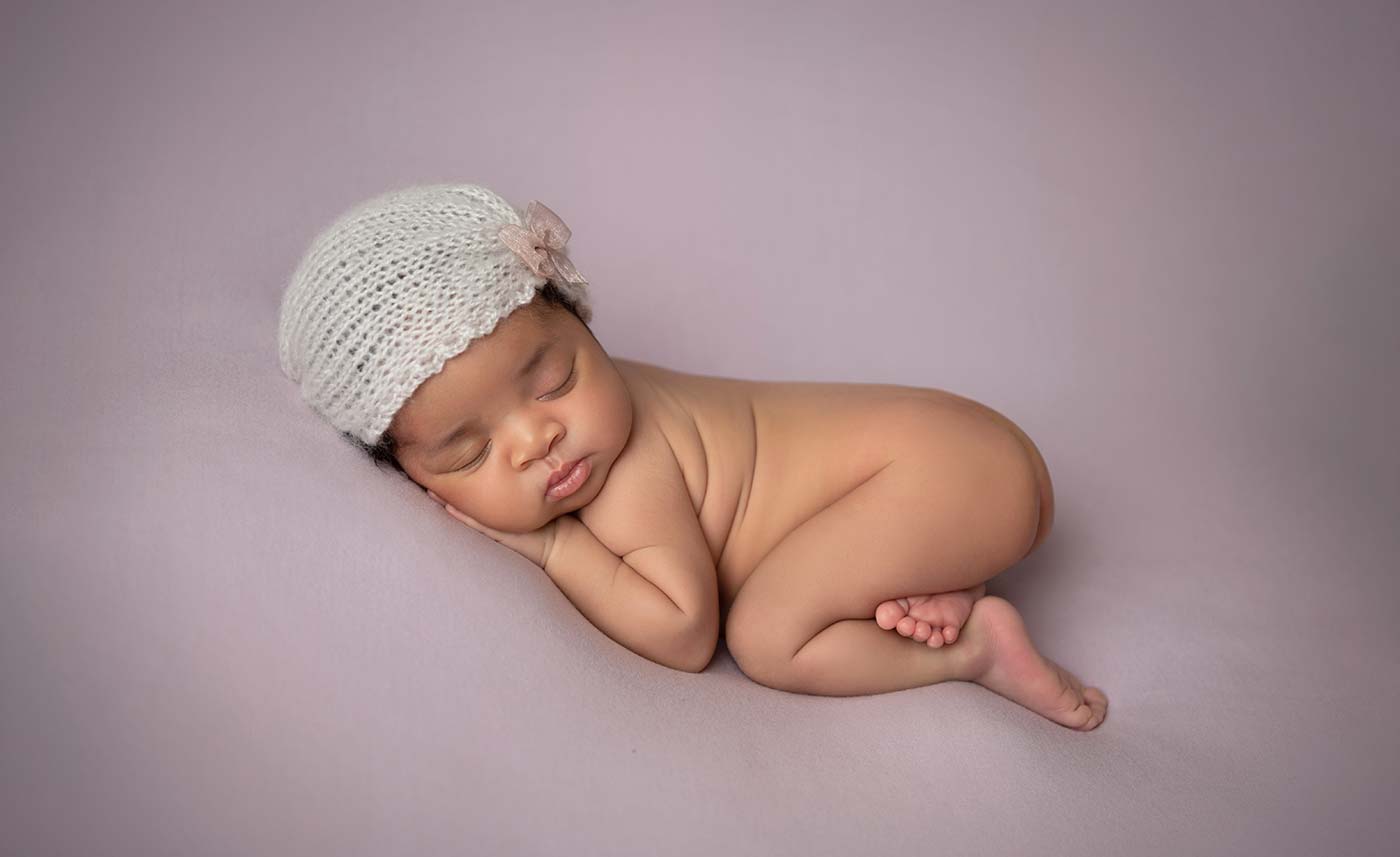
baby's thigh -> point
(964, 500)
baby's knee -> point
(758, 648)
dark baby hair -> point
(385, 452)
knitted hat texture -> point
(392, 290)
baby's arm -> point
(622, 603)
(635, 561)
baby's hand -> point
(534, 545)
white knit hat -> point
(402, 283)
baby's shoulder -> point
(667, 414)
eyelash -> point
(482, 456)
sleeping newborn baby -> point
(839, 536)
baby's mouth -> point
(569, 480)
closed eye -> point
(566, 380)
(481, 457)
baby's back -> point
(761, 457)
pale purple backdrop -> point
(1162, 237)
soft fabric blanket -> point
(1160, 237)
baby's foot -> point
(934, 619)
(1003, 659)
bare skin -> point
(1006, 662)
(932, 619)
(833, 514)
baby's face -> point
(486, 439)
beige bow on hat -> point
(540, 242)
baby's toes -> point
(935, 639)
(923, 631)
(907, 626)
(950, 633)
(929, 608)
(888, 614)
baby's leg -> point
(854, 656)
(802, 620)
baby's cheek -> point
(611, 410)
